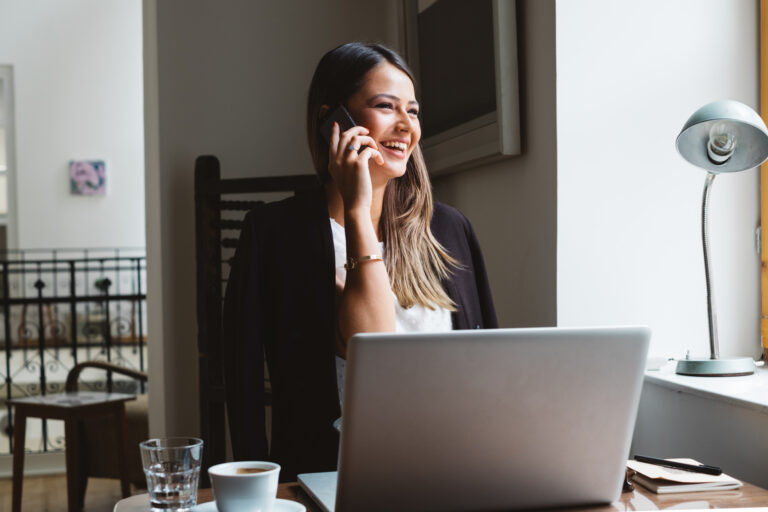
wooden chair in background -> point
(97, 438)
(99, 426)
(220, 205)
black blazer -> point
(279, 302)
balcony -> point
(61, 307)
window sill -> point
(750, 391)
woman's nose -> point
(404, 122)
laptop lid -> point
(321, 487)
(488, 419)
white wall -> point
(78, 95)
(629, 250)
(229, 79)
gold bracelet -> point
(354, 262)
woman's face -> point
(386, 105)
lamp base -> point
(706, 367)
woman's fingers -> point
(346, 138)
(340, 142)
(351, 149)
(333, 144)
(364, 140)
(369, 153)
(359, 142)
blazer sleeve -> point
(243, 346)
(487, 308)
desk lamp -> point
(721, 137)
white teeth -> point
(395, 145)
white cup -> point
(238, 488)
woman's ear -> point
(324, 109)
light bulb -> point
(722, 142)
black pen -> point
(707, 470)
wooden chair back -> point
(220, 205)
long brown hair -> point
(415, 260)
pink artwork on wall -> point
(87, 177)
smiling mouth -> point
(397, 148)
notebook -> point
(663, 480)
(485, 419)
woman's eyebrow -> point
(392, 97)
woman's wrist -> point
(359, 213)
(360, 233)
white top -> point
(414, 319)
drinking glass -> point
(172, 467)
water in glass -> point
(172, 486)
(172, 468)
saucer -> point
(140, 503)
(136, 503)
(280, 506)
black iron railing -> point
(61, 307)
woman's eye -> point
(384, 105)
(414, 112)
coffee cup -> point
(244, 486)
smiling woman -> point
(369, 251)
(356, 185)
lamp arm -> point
(714, 345)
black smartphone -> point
(341, 116)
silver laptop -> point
(485, 420)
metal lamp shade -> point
(752, 137)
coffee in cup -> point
(247, 486)
(248, 471)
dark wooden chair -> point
(97, 437)
(220, 205)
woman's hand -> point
(365, 300)
(349, 169)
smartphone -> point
(341, 116)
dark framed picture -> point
(464, 55)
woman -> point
(410, 265)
